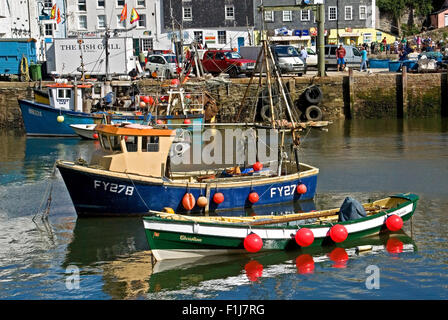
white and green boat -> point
(173, 236)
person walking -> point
(304, 56)
(340, 55)
(363, 60)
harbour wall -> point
(377, 95)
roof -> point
(133, 130)
(443, 8)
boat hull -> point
(96, 192)
(41, 119)
(174, 239)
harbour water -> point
(364, 159)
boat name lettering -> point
(283, 191)
(35, 112)
(113, 187)
(190, 239)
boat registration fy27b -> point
(132, 175)
(174, 236)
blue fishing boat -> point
(131, 175)
(71, 104)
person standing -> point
(304, 56)
(340, 55)
(363, 60)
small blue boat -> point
(131, 175)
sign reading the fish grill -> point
(64, 56)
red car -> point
(217, 61)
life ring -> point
(313, 113)
(313, 94)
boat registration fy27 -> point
(113, 187)
(283, 191)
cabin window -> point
(150, 144)
(115, 143)
(64, 93)
(105, 142)
(131, 144)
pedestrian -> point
(363, 60)
(304, 56)
(340, 55)
(142, 59)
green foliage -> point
(409, 30)
(396, 7)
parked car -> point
(352, 57)
(163, 64)
(288, 59)
(231, 62)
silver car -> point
(162, 64)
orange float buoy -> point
(257, 166)
(304, 237)
(188, 201)
(218, 198)
(159, 121)
(142, 104)
(253, 197)
(338, 233)
(95, 136)
(202, 201)
(301, 188)
(253, 243)
(175, 82)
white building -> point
(18, 19)
(90, 18)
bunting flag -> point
(58, 20)
(53, 12)
(134, 16)
(124, 13)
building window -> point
(230, 12)
(287, 16)
(362, 12)
(49, 29)
(120, 3)
(269, 16)
(100, 3)
(198, 37)
(122, 24)
(82, 22)
(82, 5)
(332, 13)
(348, 13)
(187, 14)
(142, 21)
(222, 37)
(141, 3)
(305, 15)
(101, 22)
(48, 4)
(147, 44)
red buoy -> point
(202, 201)
(301, 188)
(95, 136)
(187, 121)
(144, 99)
(253, 197)
(304, 237)
(150, 100)
(175, 82)
(188, 201)
(218, 198)
(340, 257)
(254, 270)
(394, 223)
(253, 243)
(159, 121)
(257, 166)
(305, 264)
(338, 233)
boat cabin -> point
(66, 96)
(134, 149)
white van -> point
(352, 56)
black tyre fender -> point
(313, 113)
(313, 94)
(265, 95)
